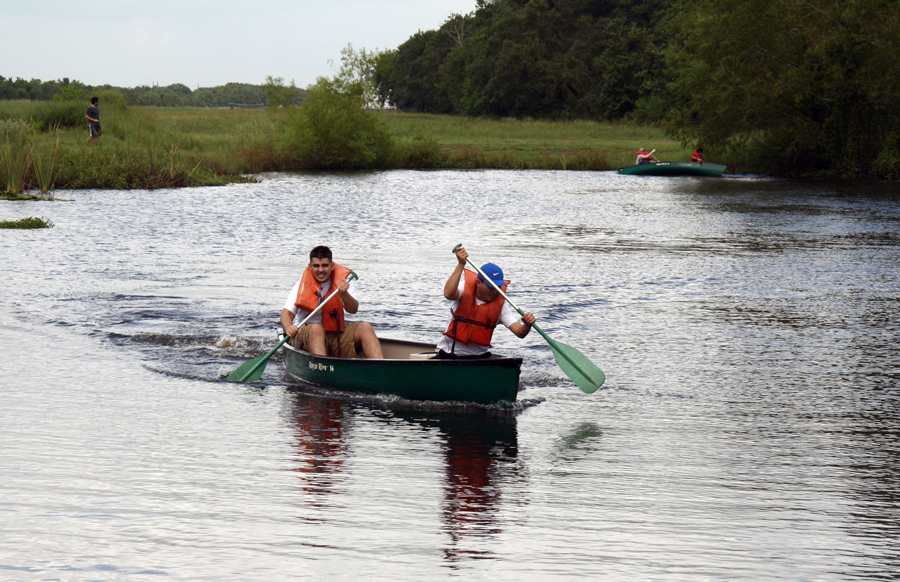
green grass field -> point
(193, 146)
(539, 144)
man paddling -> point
(644, 157)
(326, 334)
(476, 310)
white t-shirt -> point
(299, 314)
(508, 316)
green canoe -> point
(408, 371)
(674, 169)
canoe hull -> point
(674, 169)
(406, 373)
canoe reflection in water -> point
(481, 466)
(480, 459)
(320, 444)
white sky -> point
(202, 42)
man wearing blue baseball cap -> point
(476, 310)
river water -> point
(749, 427)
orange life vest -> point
(473, 323)
(697, 157)
(308, 300)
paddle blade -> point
(252, 370)
(249, 371)
(577, 367)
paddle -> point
(252, 370)
(577, 367)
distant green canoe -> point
(409, 371)
(674, 169)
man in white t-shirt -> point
(326, 334)
(476, 310)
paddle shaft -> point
(319, 307)
(263, 360)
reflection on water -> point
(481, 461)
(321, 447)
(479, 453)
(578, 443)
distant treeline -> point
(598, 59)
(176, 95)
(797, 87)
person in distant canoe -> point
(697, 156)
(93, 117)
(476, 310)
(326, 334)
(643, 157)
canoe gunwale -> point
(494, 360)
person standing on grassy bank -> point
(477, 309)
(326, 334)
(93, 116)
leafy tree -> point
(278, 94)
(357, 74)
(790, 86)
(331, 129)
(538, 58)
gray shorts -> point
(94, 129)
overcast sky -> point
(202, 42)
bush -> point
(12, 129)
(419, 152)
(331, 130)
(52, 115)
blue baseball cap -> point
(495, 274)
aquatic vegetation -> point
(45, 165)
(15, 152)
(30, 222)
(121, 167)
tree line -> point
(175, 95)
(798, 87)
(599, 59)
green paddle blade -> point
(249, 371)
(252, 370)
(577, 367)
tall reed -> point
(45, 165)
(16, 136)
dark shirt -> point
(93, 113)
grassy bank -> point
(529, 144)
(147, 147)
